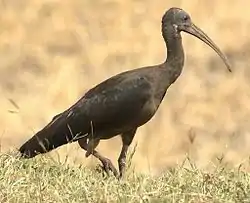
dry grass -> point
(53, 51)
(47, 180)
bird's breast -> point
(147, 112)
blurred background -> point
(53, 51)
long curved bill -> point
(197, 32)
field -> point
(52, 51)
(47, 180)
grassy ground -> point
(44, 179)
(52, 52)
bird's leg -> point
(107, 164)
(127, 139)
(92, 144)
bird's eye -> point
(185, 18)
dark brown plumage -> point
(122, 103)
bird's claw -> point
(108, 166)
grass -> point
(54, 51)
(45, 180)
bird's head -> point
(178, 20)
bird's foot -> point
(108, 166)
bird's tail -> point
(53, 135)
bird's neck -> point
(175, 55)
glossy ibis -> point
(122, 103)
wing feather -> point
(116, 101)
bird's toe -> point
(108, 166)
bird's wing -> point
(115, 101)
